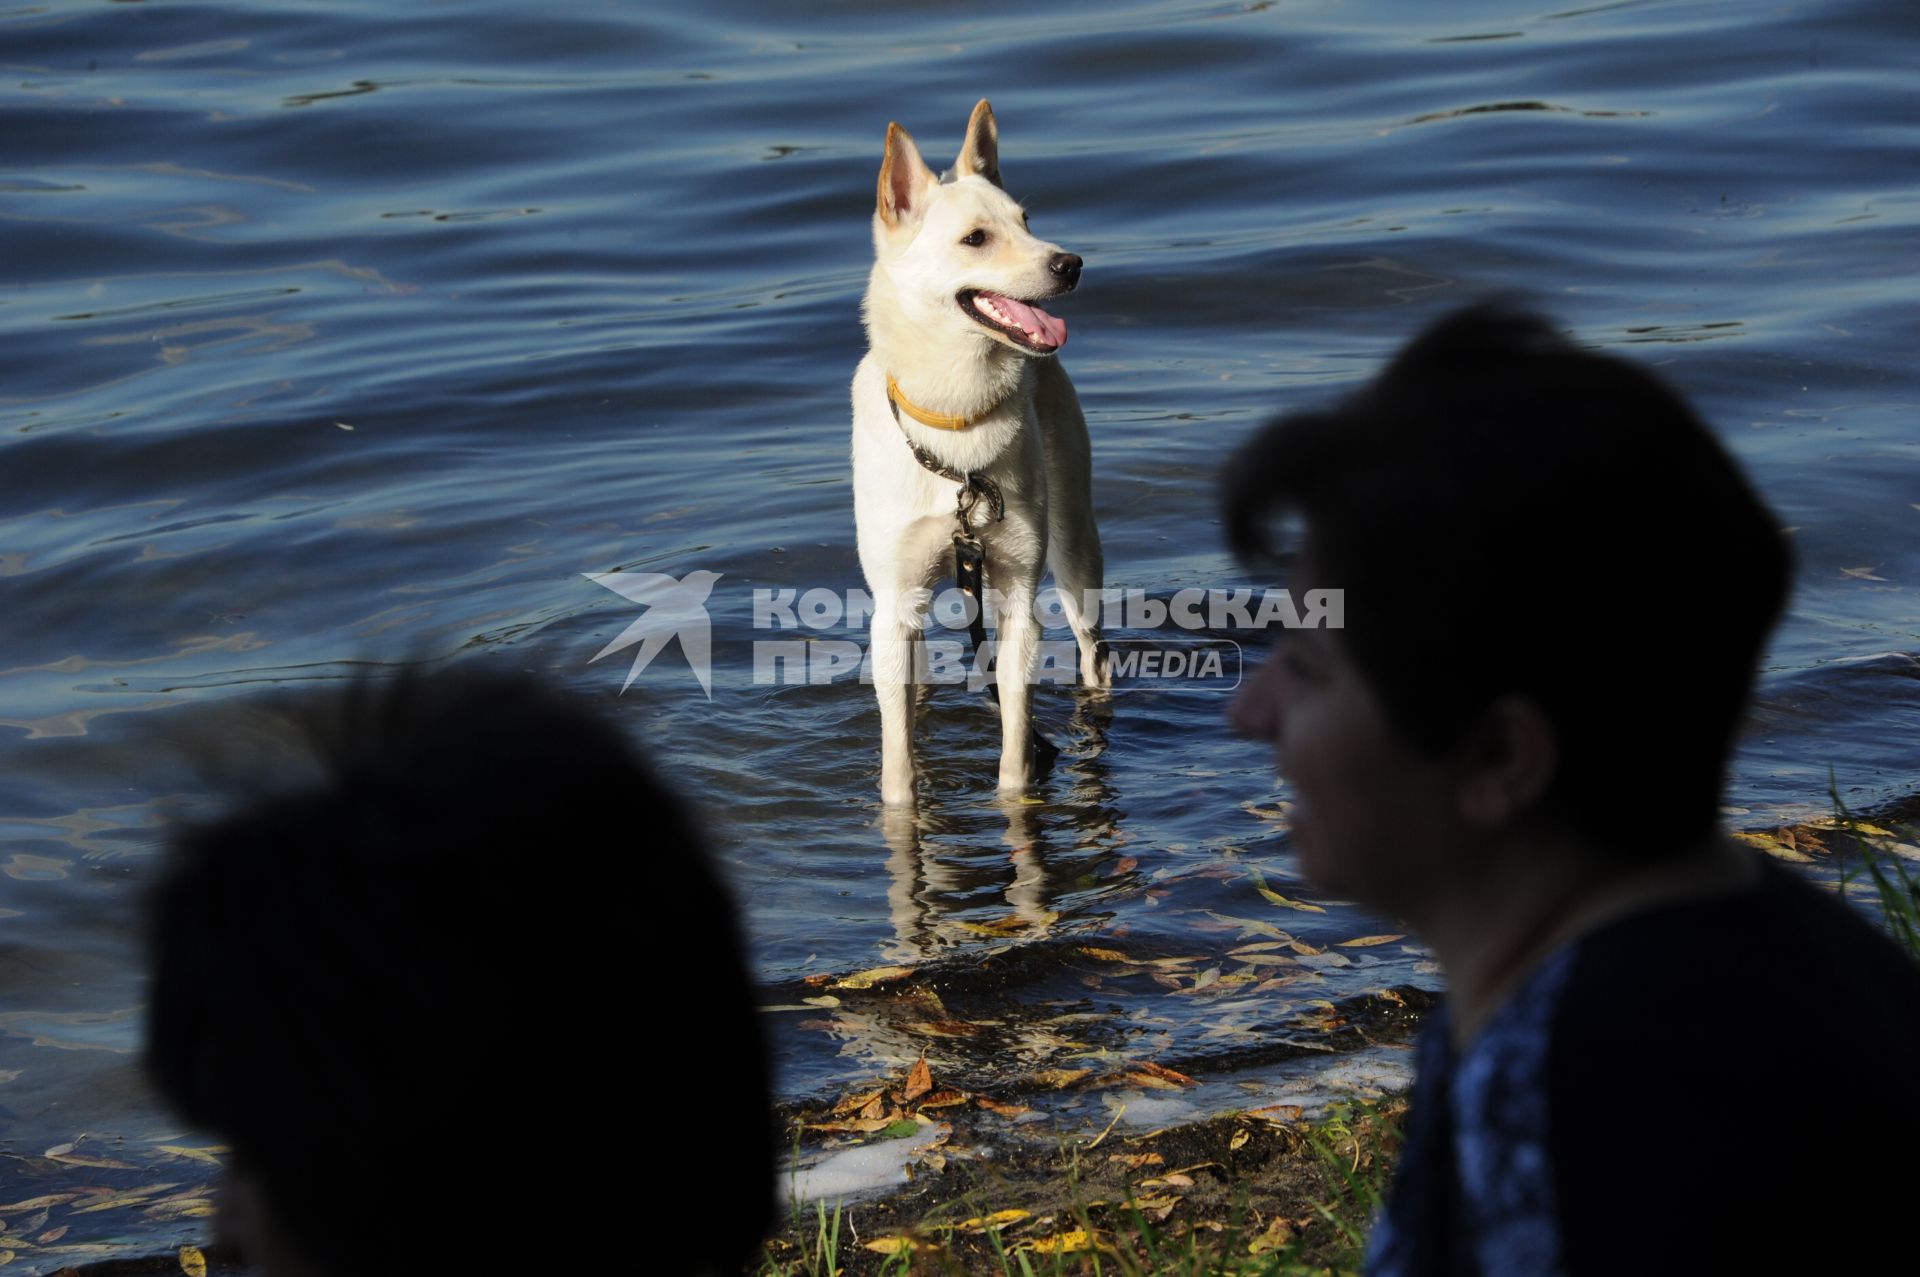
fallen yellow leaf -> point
(211, 1156)
(1156, 1208)
(1277, 1237)
(1065, 1244)
(192, 1262)
(872, 976)
(1367, 942)
(191, 1208)
(1277, 1114)
(1773, 847)
(1285, 903)
(1163, 1072)
(130, 1197)
(97, 1163)
(854, 1103)
(38, 1203)
(919, 1080)
(1134, 1161)
(1146, 1081)
(1251, 924)
(944, 1099)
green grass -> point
(1896, 886)
(822, 1259)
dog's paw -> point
(896, 786)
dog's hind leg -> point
(1073, 538)
(1078, 572)
(893, 640)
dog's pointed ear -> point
(905, 179)
(980, 153)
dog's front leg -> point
(893, 639)
(1015, 652)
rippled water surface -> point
(335, 333)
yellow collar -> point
(938, 420)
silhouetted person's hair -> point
(1510, 514)
(409, 995)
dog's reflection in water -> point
(944, 861)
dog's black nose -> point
(1066, 268)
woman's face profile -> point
(1370, 815)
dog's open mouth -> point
(1023, 322)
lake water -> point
(336, 334)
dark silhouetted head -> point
(453, 1000)
(1512, 515)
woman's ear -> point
(1507, 763)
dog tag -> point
(969, 562)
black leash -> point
(969, 567)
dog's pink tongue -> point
(1045, 329)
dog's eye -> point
(1024, 223)
(974, 238)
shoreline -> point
(983, 1176)
(1300, 1193)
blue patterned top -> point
(1666, 1095)
(1496, 1100)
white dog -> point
(959, 408)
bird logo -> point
(675, 609)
